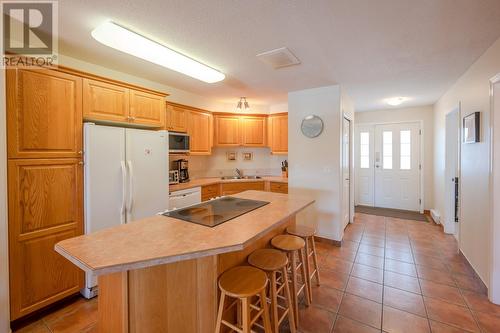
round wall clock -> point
(312, 126)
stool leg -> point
(305, 278)
(221, 311)
(294, 285)
(267, 322)
(291, 316)
(315, 260)
(274, 303)
(308, 268)
(245, 304)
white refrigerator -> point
(126, 179)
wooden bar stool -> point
(293, 246)
(274, 263)
(244, 283)
(307, 234)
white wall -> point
(424, 114)
(315, 163)
(4, 249)
(472, 91)
(217, 165)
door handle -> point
(130, 186)
(124, 189)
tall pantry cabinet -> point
(44, 134)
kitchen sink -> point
(242, 177)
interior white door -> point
(452, 139)
(397, 166)
(346, 170)
(364, 165)
(147, 165)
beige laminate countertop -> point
(159, 240)
(216, 180)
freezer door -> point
(104, 175)
(147, 169)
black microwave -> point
(178, 142)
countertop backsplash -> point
(218, 165)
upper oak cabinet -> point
(235, 130)
(278, 134)
(176, 119)
(44, 114)
(109, 102)
(227, 131)
(253, 131)
(200, 125)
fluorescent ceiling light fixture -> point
(119, 38)
(395, 101)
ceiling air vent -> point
(279, 58)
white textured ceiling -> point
(375, 48)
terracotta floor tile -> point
(76, 317)
(333, 279)
(401, 281)
(470, 283)
(313, 319)
(397, 321)
(428, 261)
(398, 247)
(369, 260)
(438, 327)
(435, 275)
(460, 268)
(451, 314)
(480, 302)
(365, 288)
(346, 325)
(373, 241)
(337, 264)
(368, 273)
(36, 327)
(398, 255)
(342, 253)
(404, 300)
(400, 267)
(373, 250)
(351, 246)
(442, 292)
(327, 298)
(488, 322)
(362, 310)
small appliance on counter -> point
(182, 167)
(173, 177)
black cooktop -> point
(214, 212)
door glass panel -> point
(405, 158)
(387, 150)
(364, 150)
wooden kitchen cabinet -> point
(147, 108)
(278, 134)
(237, 187)
(210, 191)
(227, 131)
(278, 187)
(253, 131)
(44, 118)
(45, 207)
(200, 130)
(177, 118)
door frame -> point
(421, 156)
(494, 287)
(351, 167)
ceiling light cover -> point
(119, 38)
(395, 101)
(243, 105)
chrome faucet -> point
(239, 173)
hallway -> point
(397, 276)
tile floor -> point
(390, 275)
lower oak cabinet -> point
(210, 191)
(45, 207)
(237, 187)
(278, 187)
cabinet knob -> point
(80, 152)
(81, 163)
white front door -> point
(397, 166)
(346, 171)
(363, 161)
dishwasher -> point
(184, 198)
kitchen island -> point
(160, 274)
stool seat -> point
(243, 281)
(268, 259)
(301, 231)
(288, 242)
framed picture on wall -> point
(472, 128)
(247, 156)
(231, 156)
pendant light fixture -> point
(243, 105)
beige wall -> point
(472, 91)
(424, 114)
(4, 258)
(315, 163)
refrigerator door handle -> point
(130, 187)
(124, 192)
